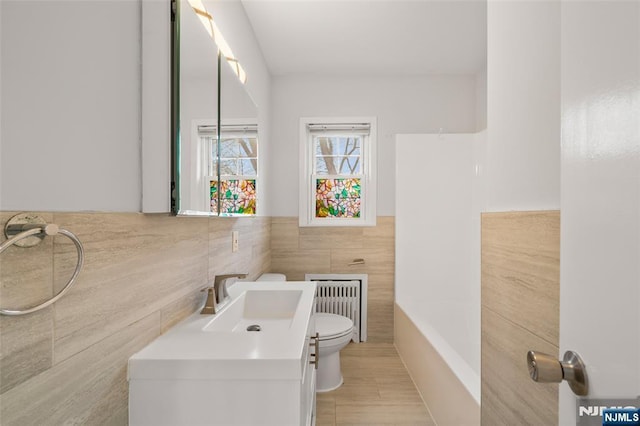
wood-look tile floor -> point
(377, 390)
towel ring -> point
(36, 229)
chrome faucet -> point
(217, 294)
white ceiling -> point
(376, 38)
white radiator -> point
(346, 297)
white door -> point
(600, 198)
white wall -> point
(70, 122)
(481, 99)
(437, 281)
(401, 105)
(600, 229)
(72, 118)
(523, 113)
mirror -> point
(214, 122)
(238, 155)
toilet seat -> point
(332, 326)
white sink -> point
(220, 347)
(258, 311)
(209, 370)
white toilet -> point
(335, 333)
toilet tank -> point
(272, 277)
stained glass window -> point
(337, 174)
(338, 197)
(338, 179)
(237, 196)
(238, 169)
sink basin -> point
(208, 347)
(258, 311)
(210, 370)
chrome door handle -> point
(545, 368)
(316, 350)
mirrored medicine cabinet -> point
(213, 119)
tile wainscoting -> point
(143, 274)
(67, 364)
(520, 311)
(296, 251)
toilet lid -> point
(332, 325)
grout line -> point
(521, 327)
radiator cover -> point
(343, 294)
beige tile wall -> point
(67, 364)
(296, 251)
(520, 311)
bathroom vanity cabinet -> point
(213, 372)
(308, 382)
(222, 402)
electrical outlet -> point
(234, 241)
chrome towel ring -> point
(21, 230)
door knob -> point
(545, 368)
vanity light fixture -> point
(213, 30)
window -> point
(238, 174)
(337, 178)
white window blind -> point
(340, 128)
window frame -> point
(206, 163)
(307, 184)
